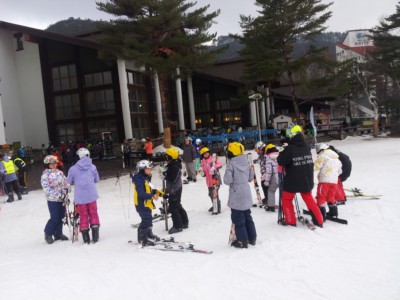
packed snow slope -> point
(356, 261)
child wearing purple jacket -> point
(84, 176)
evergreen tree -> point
(162, 35)
(269, 40)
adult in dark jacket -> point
(143, 199)
(298, 165)
(238, 174)
(22, 175)
(189, 157)
(173, 188)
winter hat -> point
(321, 146)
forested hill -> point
(74, 27)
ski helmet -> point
(235, 149)
(172, 153)
(259, 145)
(204, 150)
(144, 164)
(82, 152)
(198, 141)
(50, 159)
(295, 130)
(321, 146)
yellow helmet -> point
(235, 149)
(204, 150)
(269, 146)
(172, 152)
(295, 130)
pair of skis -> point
(357, 193)
(71, 218)
(215, 188)
(256, 186)
(170, 244)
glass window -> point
(64, 78)
(67, 106)
(100, 102)
(97, 79)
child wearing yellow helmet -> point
(238, 175)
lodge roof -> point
(362, 50)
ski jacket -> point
(346, 164)
(173, 180)
(262, 160)
(148, 147)
(189, 153)
(271, 167)
(54, 184)
(298, 165)
(142, 192)
(197, 148)
(20, 164)
(328, 166)
(206, 165)
(84, 176)
(238, 174)
(8, 170)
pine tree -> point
(162, 35)
(269, 40)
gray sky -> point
(347, 14)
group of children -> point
(292, 167)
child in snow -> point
(143, 200)
(296, 161)
(238, 175)
(55, 187)
(173, 188)
(329, 168)
(213, 179)
(84, 176)
(259, 148)
(270, 176)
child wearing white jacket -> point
(329, 168)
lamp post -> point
(257, 97)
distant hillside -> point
(74, 27)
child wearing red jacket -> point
(213, 179)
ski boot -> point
(86, 236)
(10, 197)
(314, 219)
(143, 238)
(19, 196)
(174, 230)
(333, 210)
(253, 241)
(62, 237)
(270, 208)
(239, 244)
(185, 226)
(323, 212)
(151, 235)
(95, 233)
(283, 223)
(48, 239)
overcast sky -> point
(347, 14)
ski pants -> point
(88, 215)
(340, 194)
(190, 170)
(12, 186)
(178, 213)
(288, 209)
(55, 223)
(127, 160)
(273, 186)
(147, 219)
(210, 194)
(326, 192)
(244, 225)
(265, 191)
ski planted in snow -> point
(68, 214)
(334, 219)
(256, 186)
(214, 193)
(232, 234)
(75, 223)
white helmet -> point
(144, 164)
(259, 145)
(82, 152)
(143, 140)
(320, 147)
(198, 141)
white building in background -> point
(356, 45)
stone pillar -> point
(158, 104)
(191, 103)
(179, 100)
(123, 86)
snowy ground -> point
(357, 261)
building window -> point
(96, 79)
(96, 127)
(140, 126)
(202, 103)
(100, 102)
(67, 107)
(138, 100)
(64, 78)
(70, 132)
